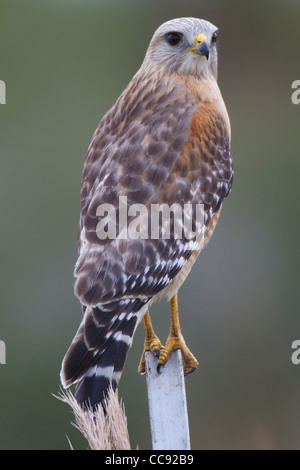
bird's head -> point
(184, 45)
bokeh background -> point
(64, 63)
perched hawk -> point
(165, 141)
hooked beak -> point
(202, 47)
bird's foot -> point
(173, 343)
(153, 345)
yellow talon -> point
(152, 343)
(175, 341)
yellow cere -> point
(199, 39)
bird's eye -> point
(214, 37)
(173, 38)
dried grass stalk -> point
(102, 431)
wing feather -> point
(151, 148)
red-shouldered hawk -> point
(165, 141)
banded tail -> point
(97, 355)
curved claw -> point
(154, 346)
(187, 372)
(156, 352)
(173, 343)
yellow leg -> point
(175, 341)
(152, 342)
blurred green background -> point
(65, 62)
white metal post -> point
(167, 404)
